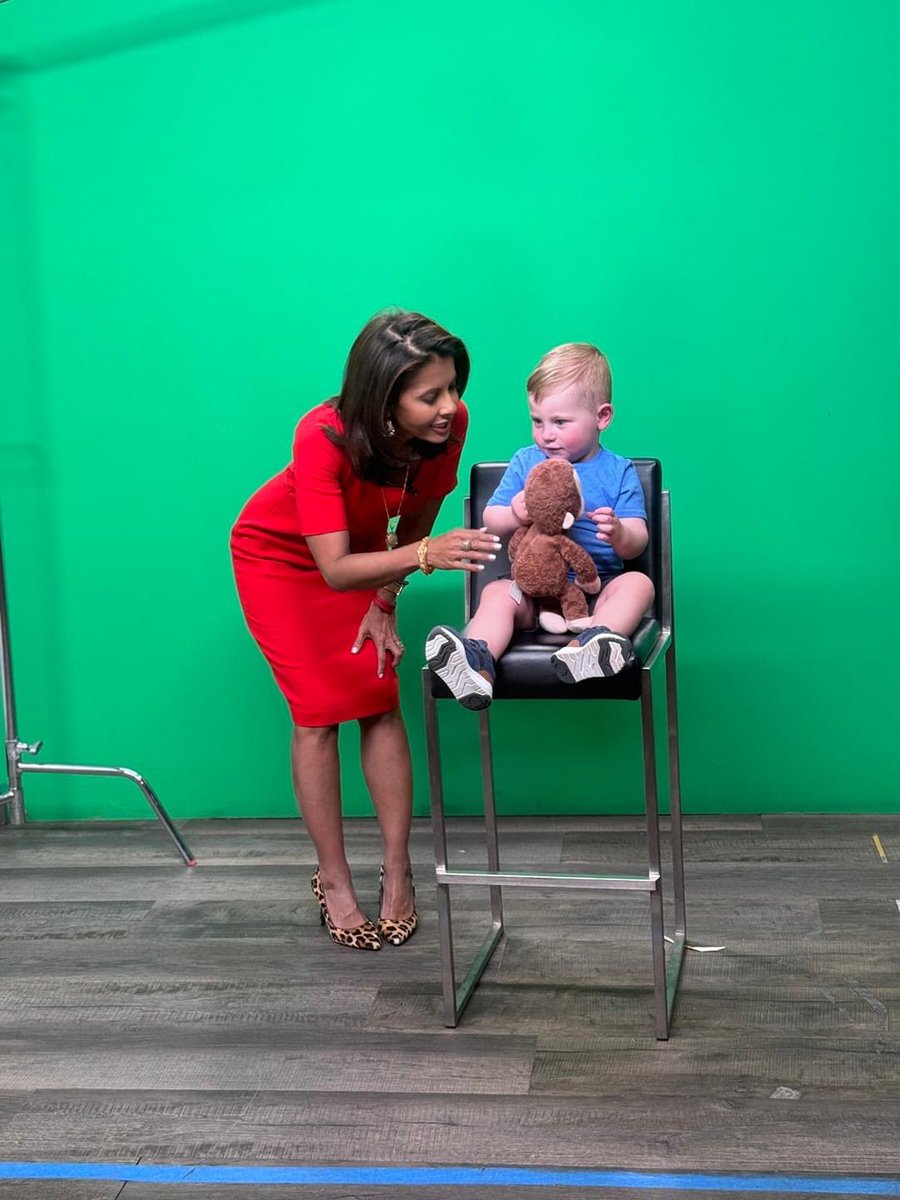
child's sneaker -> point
(464, 665)
(595, 654)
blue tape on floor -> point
(453, 1176)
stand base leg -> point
(125, 772)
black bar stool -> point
(525, 673)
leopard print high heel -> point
(396, 932)
(363, 937)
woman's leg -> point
(317, 785)
(387, 767)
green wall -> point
(212, 199)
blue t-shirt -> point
(607, 481)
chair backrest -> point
(483, 480)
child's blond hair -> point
(577, 363)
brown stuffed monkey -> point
(542, 554)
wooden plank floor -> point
(156, 1014)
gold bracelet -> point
(422, 555)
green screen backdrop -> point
(202, 204)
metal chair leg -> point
(657, 926)
(490, 815)
(456, 998)
(439, 834)
(675, 796)
(666, 968)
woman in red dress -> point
(321, 553)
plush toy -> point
(542, 554)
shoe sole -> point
(446, 657)
(605, 655)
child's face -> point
(565, 426)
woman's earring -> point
(389, 428)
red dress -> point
(304, 628)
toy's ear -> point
(568, 521)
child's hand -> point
(609, 527)
(519, 511)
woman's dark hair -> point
(382, 362)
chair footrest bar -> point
(630, 883)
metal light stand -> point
(15, 749)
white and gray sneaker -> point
(465, 665)
(595, 653)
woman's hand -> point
(463, 549)
(381, 627)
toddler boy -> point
(570, 400)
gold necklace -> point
(390, 539)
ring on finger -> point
(467, 545)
